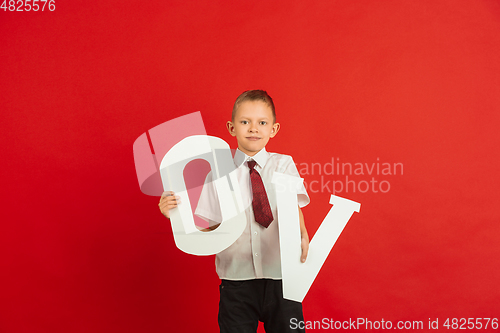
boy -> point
(250, 269)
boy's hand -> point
(167, 202)
(304, 237)
(305, 247)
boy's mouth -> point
(253, 138)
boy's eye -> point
(263, 122)
(244, 122)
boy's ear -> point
(274, 131)
(230, 128)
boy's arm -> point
(213, 226)
(304, 237)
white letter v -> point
(298, 277)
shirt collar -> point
(261, 157)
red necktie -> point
(260, 203)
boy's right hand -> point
(168, 201)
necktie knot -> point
(251, 164)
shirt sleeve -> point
(208, 206)
(289, 168)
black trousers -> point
(244, 303)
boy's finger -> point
(172, 200)
(167, 206)
(168, 203)
(169, 199)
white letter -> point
(217, 152)
(298, 277)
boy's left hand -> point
(305, 247)
(304, 244)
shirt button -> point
(255, 233)
(256, 254)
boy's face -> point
(253, 126)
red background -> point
(412, 82)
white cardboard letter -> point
(217, 152)
(298, 277)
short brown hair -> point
(254, 95)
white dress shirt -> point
(256, 253)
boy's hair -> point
(254, 95)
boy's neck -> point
(251, 153)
